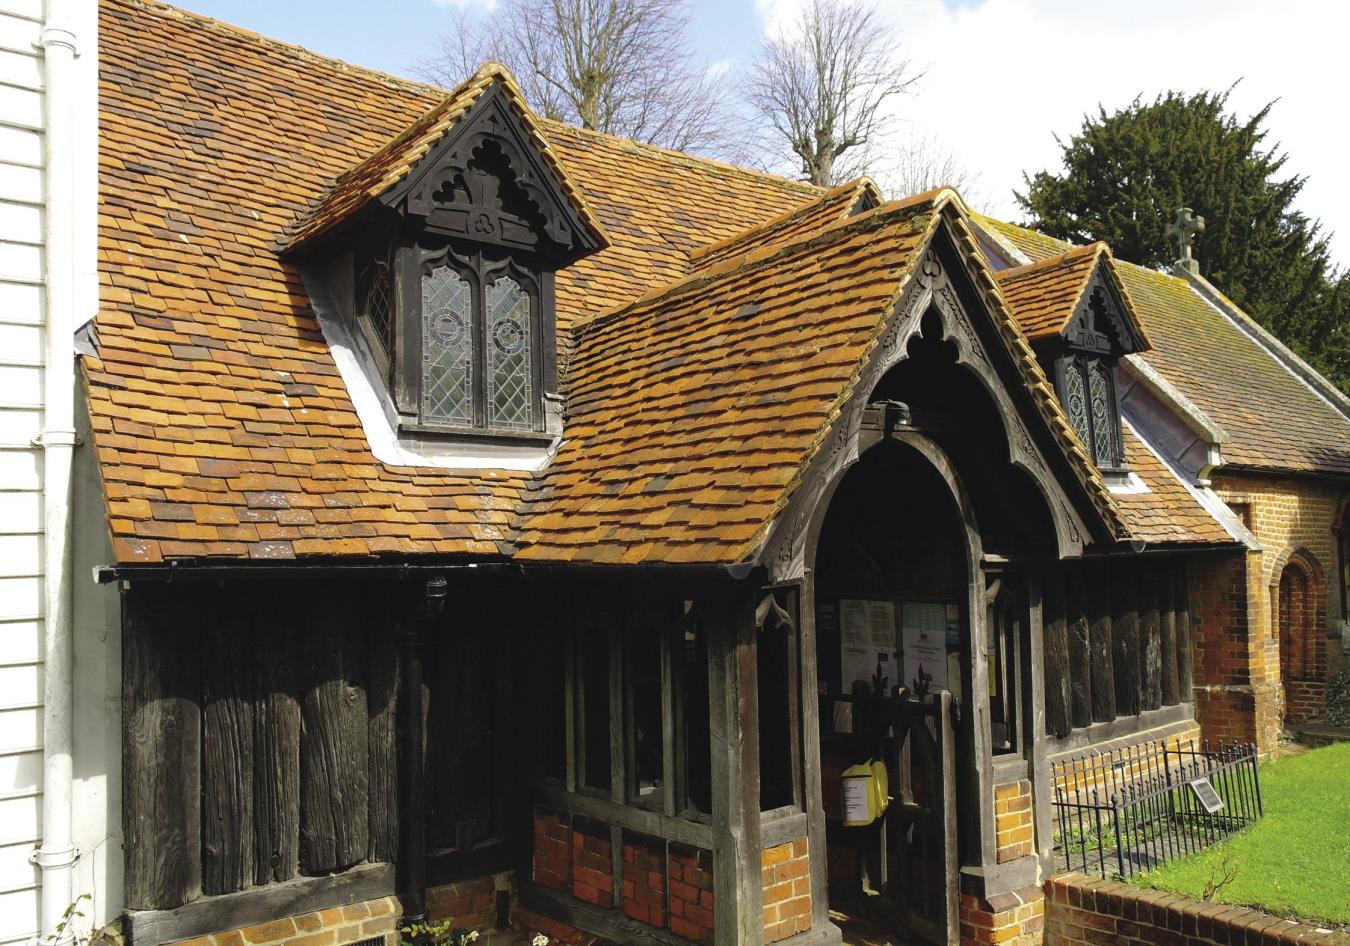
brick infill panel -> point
(471, 904)
(1085, 911)
(786, 878)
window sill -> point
(478, 434)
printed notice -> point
(924, 637)
(866, 634)
(855, 800)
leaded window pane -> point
(1103, 426)
(1075, 402)
(510, 382)
(379, 307)
(447, 348)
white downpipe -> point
(57, 854)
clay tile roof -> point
(365, 182)
(834, 205)
(219, 420)
(695, 410)
(1274, 419)
(1167, 513)
(1045, 294)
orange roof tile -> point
(219, 419)
(375, 175)
(1167, 513)
(834, 205)
(1274, 420)
(695, 410)
(1045, 294)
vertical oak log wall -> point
(1117, 641)
(260, 738)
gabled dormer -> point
(1080, 322)
(440, 251)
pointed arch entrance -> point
(1298, 596)
(923, 566)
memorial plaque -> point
(1206, 795)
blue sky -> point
(393, 36)
(1003, 76)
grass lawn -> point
(1293, 862)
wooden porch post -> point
(412, 856)
(734, 723)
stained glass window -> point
(447, 348)
(510, 380)
(1103, 423)
(1075, 402)
(1089, 400)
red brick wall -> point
(787, 890)
(1085, 912)
(691, 893)
(1016, 836)
(552, 849)
(471, 904)
(644, 879)
(1236, 698)
(1242, 692)
(592, 862)
(1010, 919)
(664, 886)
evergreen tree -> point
(1126, 173)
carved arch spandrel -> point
(787, 549)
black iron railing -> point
(1132, 809)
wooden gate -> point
(919, 853)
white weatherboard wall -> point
(22, 300)
(21, 343)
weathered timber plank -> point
(276, 746)
(1125, 634)
(251, 907)
(1167, 632)
(734, 725)
(228, 677)
(1181, 605)
(1058, 689)
(161, 750)
(1079, 649)
(1150, 639)
(1100, 644)
(334, 744)
(461, 685)
(382, 733)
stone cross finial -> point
(1184, 229)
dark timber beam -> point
(1082, 681)
(412, 861)
(1102, 646)
(734, 723)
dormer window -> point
(1079, 320)
(1085, 372)
(452, 234)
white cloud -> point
(719, 68)
(1007, 75)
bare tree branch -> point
(824, 85)
(919, 163)
(619, 66)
